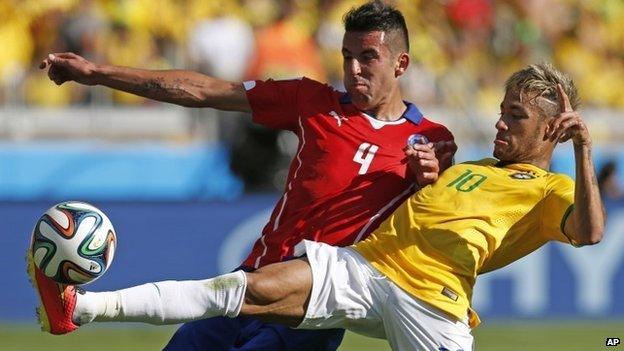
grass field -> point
(568, 336)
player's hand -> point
(568, 124)
(422, 161)
(67, 66)
(445, 151)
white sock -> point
(167, 302)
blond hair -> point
(540, 80)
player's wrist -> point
(582, 144)
(100, 74)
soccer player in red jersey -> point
(351, 170)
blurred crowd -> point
(462, 50)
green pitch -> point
(569, 336)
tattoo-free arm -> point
(585, 224)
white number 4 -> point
(364, 156)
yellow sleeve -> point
(558, 204)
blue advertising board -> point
(194, 240)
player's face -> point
(369, 68)
(521, 128)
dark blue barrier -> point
(192, 240)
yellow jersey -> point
(476, 218)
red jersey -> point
(349, 172)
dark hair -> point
(376, 16)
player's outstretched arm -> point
(585, 225)
(185, 88)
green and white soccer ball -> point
(73, 243)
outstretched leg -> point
(279, 293)
(275, 293)
(165, 302)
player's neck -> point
(389, 110)
(541, 163)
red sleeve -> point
(437, 132)
(277, 103)
(274, 102)
(445, 134)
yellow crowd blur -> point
(462, 50)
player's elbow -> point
(589, 241)
(589, 229)
(595, 237)
(592, 236)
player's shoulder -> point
(559, 181)
(311, 95)
(478, 167)
(486, 162)
(315, 92)
(428, 121)
(425, 121)
(300, 83)
(312, 84)
(438, 131)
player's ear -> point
(402, 63)
(547, 127)
(545, 131)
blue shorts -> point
(244, 333)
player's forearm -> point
(588, 217)
(185, 88)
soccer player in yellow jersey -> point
(411, 280)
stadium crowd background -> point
(461, 49)
(151, 166)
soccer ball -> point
(73, 243)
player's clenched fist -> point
(422, 161)
(427, 161)
(445, 152)
(67, 66)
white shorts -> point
(347, 292)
